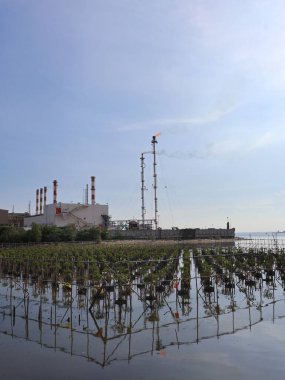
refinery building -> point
(61, 214)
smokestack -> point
(93, 190)
(86, 195)
(41, 200)
(45, 197)
(37, 201)
(55, 184)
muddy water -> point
(48, 332)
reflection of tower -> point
(154, 141)
(158, 342)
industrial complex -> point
(92, 214)
(60, 214)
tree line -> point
(39, 233)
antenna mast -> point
(154, 181)
(142, 188)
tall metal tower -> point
(142, 188)
(154, 142)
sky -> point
(84, 85)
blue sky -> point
(84, 86)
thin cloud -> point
(228, 147)
(170, 125)
(243, 147)
(263, 141)
(240, 146)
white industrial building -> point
(63, 214)
(60, 214)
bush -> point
(92, 234)
(51, 234)
(11, 234)
(38, 233)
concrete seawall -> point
(179, 234)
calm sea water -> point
(261, 235)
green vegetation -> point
(151, 265)
(239, 267)
(38, 234)
(95, 263)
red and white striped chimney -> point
(45, 197)
(41, 200)
(55, 184)
(37, 201)
(93, 190)
(87, 195)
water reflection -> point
(209, 292)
